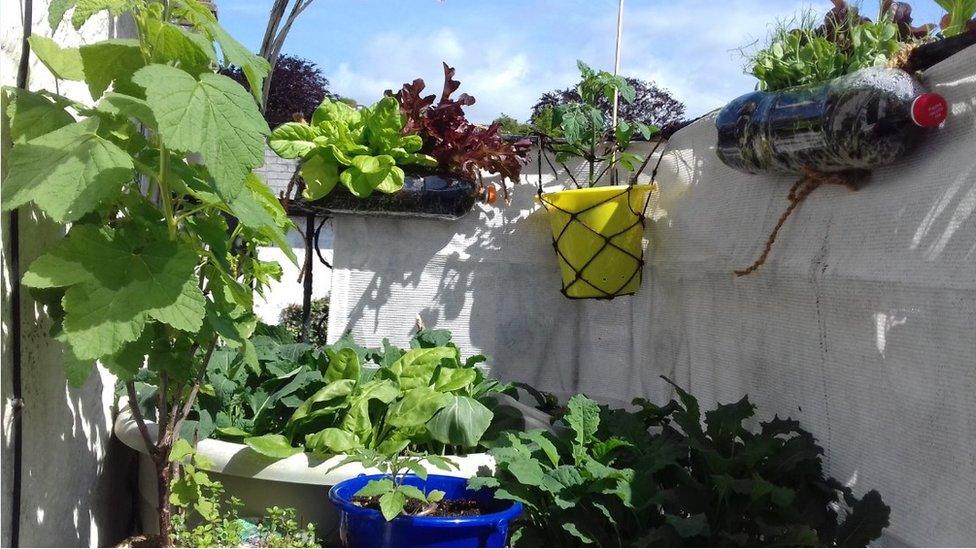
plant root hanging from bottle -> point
(806, 184)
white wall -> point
(862, 325)
(75, 490)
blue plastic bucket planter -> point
(362, 527)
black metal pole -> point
(307, 274)
(17, 400)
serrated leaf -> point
(213, 116)
(84, 9)
(128, 106)
(111, 63)
(33, 115)
(76, 370)
(67, 172)
(56, 11)
(172, 44)
(118, 280)
(180, 450)
(461, 422)
(64, 63)
(583, 417)
(255, 67)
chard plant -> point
(154, 179)
(580, 129)
(391, 493)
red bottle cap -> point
(929, 110)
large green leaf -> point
(119, 280)
(293, 139)
(33, 115)
(416, 367)
(171, 44)
(67, 172)
(461, 422)
(416, 407)
(273, 446)
(213, 116)
(56, 11)
(338, 389)
(112, 62)
(583, 418)
(343, 364)
(368, 173)
(255, 67)
(336, 111)
(129, 107)
(320, 175)
(331, 441)
(64, 63)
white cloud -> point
(689, 47)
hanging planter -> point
(597, 231)
(598, 235)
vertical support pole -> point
(616, 92)
(307, 274)
(17, 400)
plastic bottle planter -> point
(860, 121)
(597, 233)
(363, 527)
(431, 196)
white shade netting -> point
(861, 325)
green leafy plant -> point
(391, 494)
(810, 54)
(583, 130)
(343, 398)
(204, 519)
(959, 16)
(363, 149)
(657, 477)
(159, 261)
(291, 320)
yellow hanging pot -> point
(598, 236)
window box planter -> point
(429, 196)
(364, 527)
(300, 481)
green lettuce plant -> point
(363, 149)
(672, 476)
(158, 264)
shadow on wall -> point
(75, 475)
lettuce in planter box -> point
(363, 149)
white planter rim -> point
(239, 460)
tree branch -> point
(130, 388)
(188, 403)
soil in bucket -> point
(598, 237)
(446, 508)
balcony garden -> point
(463, 385)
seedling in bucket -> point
(597, 230)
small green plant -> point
(204, 518)
(363, 149)
(658, 477)
(802, 53)
(391, 494)
(959, 16)
(291, 320)
(585, 130)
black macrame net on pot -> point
(608, 244)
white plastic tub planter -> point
(301, 481)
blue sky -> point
(508, 52)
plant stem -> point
(164, 193)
